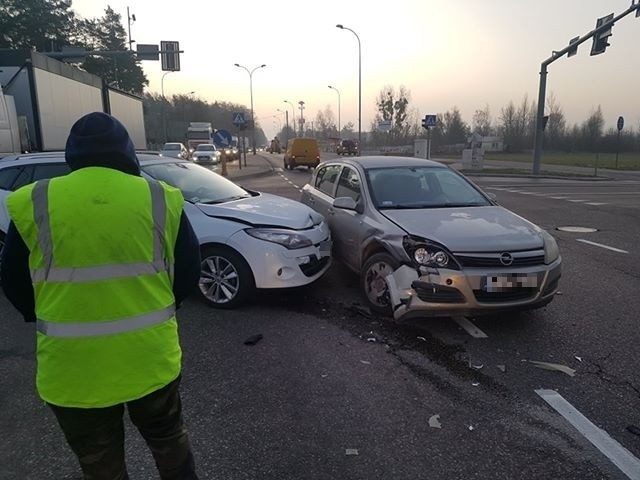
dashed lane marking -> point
(596, 204)
(469, 327)
(613, 249)
(620, 456)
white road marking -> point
(601, 245)
(296, 186)
(559, 198)
(596, 203)
(620, 456)
(470, 328)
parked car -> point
(248, 239)
(175, 150)
(347, 147)
(206, 153)
(302, 152)
(427, 242)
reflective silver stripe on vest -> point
(40, 199)
(95, 329)
(102, 272)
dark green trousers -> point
(96, 435)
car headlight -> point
(429, 254)
(286, 238)
(551, 250)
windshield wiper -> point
(225, 200)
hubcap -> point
(376, 287)
(219, 280)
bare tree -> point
(481, 122)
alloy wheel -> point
(219, 280)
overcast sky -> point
(466, 53)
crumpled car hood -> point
(470, 229)
(265, 210)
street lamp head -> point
(340, 26)
(237, 64)
(263, 65)
(330, 86)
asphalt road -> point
(332, 393)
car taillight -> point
(293, 157)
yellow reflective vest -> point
(101, 246)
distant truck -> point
(41, 98)
(275, 146)
(197, 133)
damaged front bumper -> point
(430, 292)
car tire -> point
(226, 281)
(373, 284)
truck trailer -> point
(43, 97)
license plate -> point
(505, 282)
(325, 247)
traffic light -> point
(601, 40)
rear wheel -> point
(374, 284)
(226, 281)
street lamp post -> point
(164, 101)
(184, 116)
(253, 125)
(338, 92)
(293, 117)
(301, 103)
(342, 27)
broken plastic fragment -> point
(555, 366)
(558, 292)
(365, 362)
(371, 339)
(471, 428)
(478, 367)
(475, 384)
(502, 368)
(434, 421)
(578, 358)
(253, 339)
(422, 338)
(351, 451)
(324, 375)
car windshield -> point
(205, 148)
(171, 146)
(198, 185)
(422, 187)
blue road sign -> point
(238, 119)
(429, 121)
(222, 138)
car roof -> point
(380, 161)
(145, 157)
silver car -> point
(428, 242)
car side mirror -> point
(348, 203)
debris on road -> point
(324, 375)
(359, 309)
(475, 384)
(558, 292)
(633, 429)
(422, 338)
(434, 421)
(555, 367)
(502, 368)
(365, 362)
(478, 367)
(253, 339)
(351, 451)
(578, 358)
(471, 428)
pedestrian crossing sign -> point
(238, 119)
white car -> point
(247, 239)
(174, 150)
(206, 153)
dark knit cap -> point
(100, 140)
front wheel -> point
(374, 284)
(226, 281)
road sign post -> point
(620, 127)
(427, 122)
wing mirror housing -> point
(348, 203)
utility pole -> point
(301, 103)
(130, 19)
(600, 35)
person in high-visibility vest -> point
(100, 259)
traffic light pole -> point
(572, 47)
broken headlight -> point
(429, 254)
